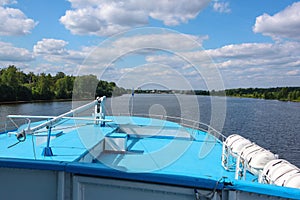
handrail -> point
(181, 121)
(56, 119)
(11, 125)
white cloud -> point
(287, 52)
(156, 74)
(50, 46)
(55, 51)
(173, 13)
(7, 2)
(256, 69)
(241, 65)
(168, 41)
(221, 7)
(293, 72)
(101, 21)
(14, 21)
(284, 24)
(248, 64)
(119, 48)
(123, 55)
(107, 17)
(258, 64)
(9, 53)
(243, 50)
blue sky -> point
(251, 43)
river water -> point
(274, 125)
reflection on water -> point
(271, 124)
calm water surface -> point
(274, 125)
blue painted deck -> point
(168, 156)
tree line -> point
(278, 93)
(15, 85)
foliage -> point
(279, 93)
(16, 85)
(84, 86)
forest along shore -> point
(17, 86)
(278, 93)
(34, 101)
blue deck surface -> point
(161, 157)
(68, 146)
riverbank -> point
(278, 93)
(34, 101)
(250, 97)
(66, 100)
(17, 86)
(291, 94)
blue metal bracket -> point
(47, 151)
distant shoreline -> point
(245, 97)
(291, 94)
(288, 94)
(34, 101)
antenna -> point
(132, 98)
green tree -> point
(7, 93)
(17, 85)
(85, 86)
(64, 87)
(32, 78)
(9, 76)
(283, 94)
(59, 75)
(42, 90)
(23, 93)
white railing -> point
(183, 122)
(9, 124)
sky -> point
(182, 44)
